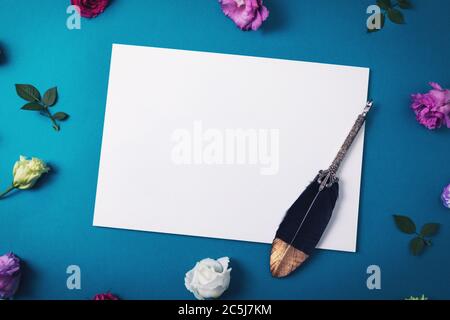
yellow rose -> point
(26, 173)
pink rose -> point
(105, 296)
(90, 8)
(446, 196)
(432, 109)
(247, 14)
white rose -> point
(27, 172)
(209, 279)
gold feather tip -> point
(285, 259)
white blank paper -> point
(172, 160)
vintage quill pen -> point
(306, 221)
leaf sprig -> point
(41, 104)
(418, 244)
(392, 11)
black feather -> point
(303, 230)
(306, 221)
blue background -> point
(50, 227)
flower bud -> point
(27, 172)
(209, 279)
(9, 275)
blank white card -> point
(220, 146)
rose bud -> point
(26, 173)
(105, 296)
(90, 8)
(246, 14)
(209, 279)
(446, 197)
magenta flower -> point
(105, 296)
(446, 197)
(90, 8)
(433, 108)
(247, 14)
(9, 275)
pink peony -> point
(433, 108)
(90, 8)
(247, 14)
(105, 296)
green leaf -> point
(405, 224)
(384, 4)
(33, 106)
(28, 92)
(396, 16)
(417, 245)
(382, 21)
(50, 97)
(61, 116)
(430, 229)
(404, 4)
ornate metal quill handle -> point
(328, 177)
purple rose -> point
(433, 108)
(446, 196)
(9, 275)
(247, 14)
